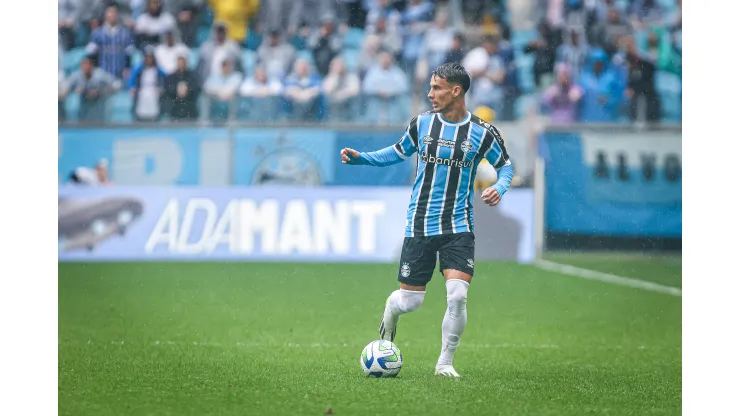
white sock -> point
(401, 301)
(455, 318)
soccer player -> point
(450, 142)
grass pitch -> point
(285, 339)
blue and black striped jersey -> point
(449, 153)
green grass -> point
(659, 268)
(285, 339)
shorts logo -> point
(428, 139)
(405, 270)
(470, 263)
(466, 146)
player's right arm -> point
(407, 146)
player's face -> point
(441, 93)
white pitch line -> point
(606, 277)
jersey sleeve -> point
(409, 143)
(496, 154)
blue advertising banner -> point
(143, 156)
(222, 156)
(327, 224)
(613, 184)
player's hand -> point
(491, 197)
(349, 155)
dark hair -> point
(454, 73)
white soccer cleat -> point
(446, 371)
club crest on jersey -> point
(466, 146)
(428, 139)
(470, 263)
(405, 270)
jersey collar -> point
(465, 120)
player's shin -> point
(455, 319)
(399, 302)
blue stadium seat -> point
(668, 86)
(72, 59)
(351, 59)
(523, 104)
(354, 38)
(120, 107)
(72, 106)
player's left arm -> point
(498, 157)
(390, 155)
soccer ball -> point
(381, 359)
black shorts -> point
(419, 256)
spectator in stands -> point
(290, 16)
(656, 47)
(644, 100)
(369, 55)
(221, 88)
(90, 14)
(416, 19)
(311, 13)
(602, 89)
(187, 14)
(146, 85)
(608, 34)
(644, 13)
(169, 51)
(383, 10)
(562, 99)
(299, 40)
(354, 12)
(112, 45)
(457, 50)
(261, 96)
(276, 56)
(215, 51)
(573, 51)
(235, 14)
(182, 89)
(487, 72)
(492, 25)
(342, 91)
(510, 85)
(68, 14)
(544, 48)
(152, 24)
(94, 86)
(61, 110)
(385, 86)
(390, 39)
(325, 44)
(435, 45)
(125, 10)
(303, 91)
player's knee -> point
(410, 299)
(457, 293)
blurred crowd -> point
(367, 61)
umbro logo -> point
(428, 139)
